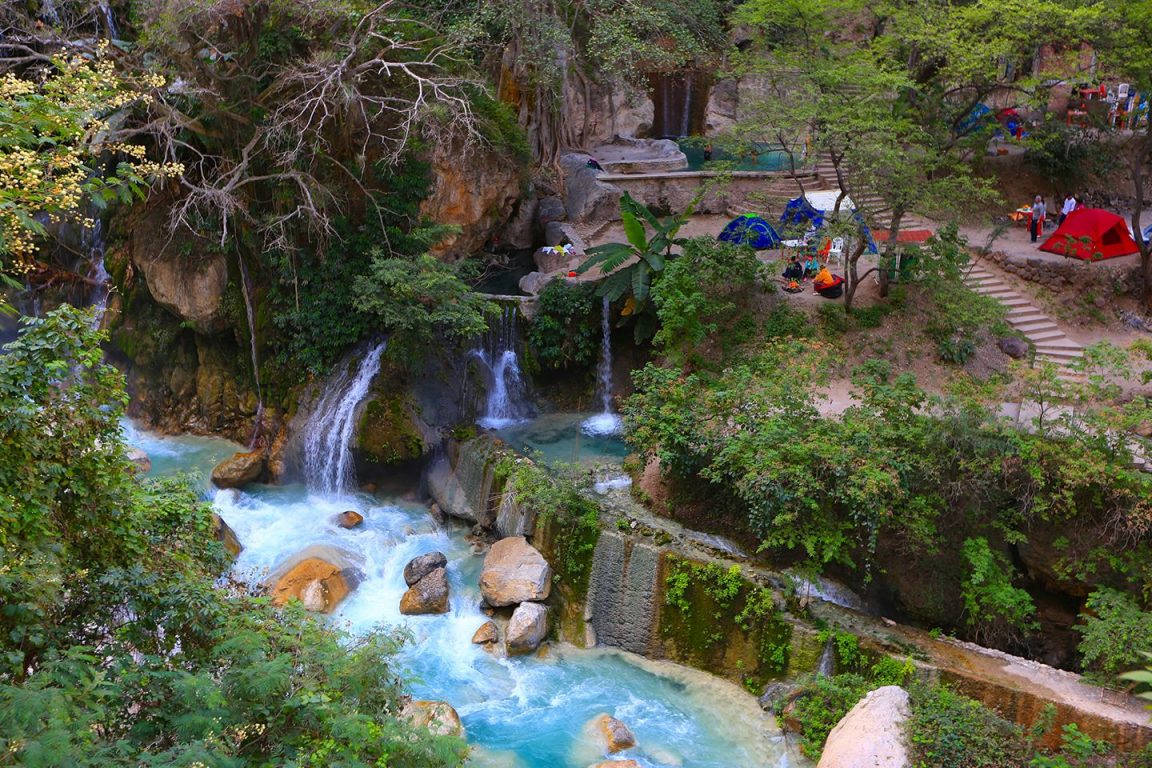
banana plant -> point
(631, 267)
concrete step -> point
(1037, 328)
(1036, 337)
(1058, 358)
(1057, 348)
(1030, 316)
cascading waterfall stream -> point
(606, 422)
(94, 245)
(328, 435)
(504, 404)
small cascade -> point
(680, 104)
(93, 244)
(826, 667)
(109, 20)
(622, 592)
(328, 434)
(606, 422)
(505, 403)
(247, 292)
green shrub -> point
(1116, 634)
(822, 704)
(565, 333)
(992, 606)
(947, 730)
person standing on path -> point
(1039, 211)
(1069, 206)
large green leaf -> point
(634, 230)
(608, 256)
(639, 210)
(641, 281)
(615, 286)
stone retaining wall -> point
(1101, 278)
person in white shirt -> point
(1069, 206)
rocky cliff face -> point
(474, 191)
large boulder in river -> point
(611, 733)
(514, 572)
(616, 764)
(526, 629)
(388, 431)
(319, 576)
(437, 716)
(487, 634)
(140, 461)
(871, 735)
(239, 469)
(419, 567)
(429, 595)
(348, 519)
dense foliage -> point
(565, 333)
(117, 645)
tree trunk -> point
(851, 278)
(890, 255)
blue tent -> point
(752, 230)
(799, 211)
(973, 119)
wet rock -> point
(1014, 346)
(419, 567)
(428, 595)
(871, 734)
(439, 717)
(487, 634)
(616, 764)
(437, 513)
(349, 519)
(388, 433)
(774, 693)
(319, 576)
(514, 572)
(239, 469)
(533, 282)
(616, 736)
(526, 629)
(139, 459)
(226, 536)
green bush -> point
(822, 704)
(1116, 634)
(992, 606)
(947, 730)
(565, 333)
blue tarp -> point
(973, 119)
(800, 212)
(752, 230)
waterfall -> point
(504, 404)
(246, 290)
(109, 20)
(93, 244)
(328, 434)
(622, 592)
(606, 422)
(680, 103)
(827, 664)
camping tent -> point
(810, 210)
(1091, 234)
(752, 230)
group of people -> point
(1040, 212)
(825, 283)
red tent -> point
(1091, 234)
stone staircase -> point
(871, 204)
(1051, 343)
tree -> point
(55, 130)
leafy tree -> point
(632, 267)
(55, 122)
(566, 330)
(117, 645)
(991, 603)
(420, 302)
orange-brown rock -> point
(429, 595)
(437, 716)
(349, 519)
(320, 577)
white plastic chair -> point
(836, 252)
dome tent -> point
(1091, 234)
(812, 208)
(752, 230)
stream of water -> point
(607, 422)
(527, 712)
(505, 402)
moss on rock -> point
(387, 432)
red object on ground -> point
(1091, 234)
(571, 274)
(907, 236)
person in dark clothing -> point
(794, 270)
(1039, 211)
(594, 165)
